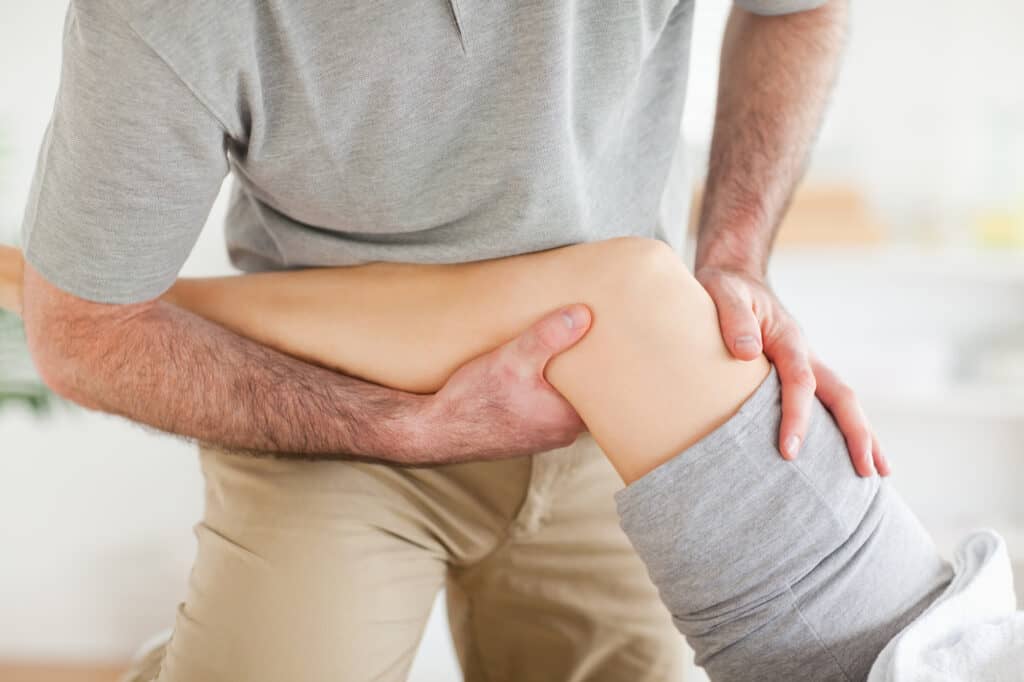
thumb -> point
(741, 330)
(552, 334)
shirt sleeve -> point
(128, 170)
(771, 7)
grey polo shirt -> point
(429, 131)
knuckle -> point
(736, 297)
(740, 314)
(561, 425)
(795, 338)
(564, 437)
(803, 377)
(572, 430)
(547, 337)
(527, 344)
(508, 371)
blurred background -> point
(903, 257)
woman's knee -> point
(638, 275)
(638, 263)
(652, 375)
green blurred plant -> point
(19, 382)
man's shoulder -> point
(207, 45)
(145, 12)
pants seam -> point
(817, 637)
(568, 459)
(475, 644)
(537, 489)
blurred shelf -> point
(40, 672)
(962, 263)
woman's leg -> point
(775, 569)
(10, 279)
(650, 377)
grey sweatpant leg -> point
(777, 570)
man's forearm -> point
(776, 74)
(173, 370)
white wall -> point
(96, 533)
(906, 329)
(928, 113)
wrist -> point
(734, 258)
(424, 431)
(739, 241)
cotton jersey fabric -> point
(780, 570)
(426, 131)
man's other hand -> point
(754, 321)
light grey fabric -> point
(774, 7)
(399, 130)
(779, 570)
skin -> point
(776, 74)
(11, 273)
(162, 365)
(651, 376)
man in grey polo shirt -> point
(418, 131)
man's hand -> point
(753, 320)
(500, 405)
(775, 77)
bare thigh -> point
(650, 377)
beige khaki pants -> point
(326, 571)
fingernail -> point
(792, 446)
(574, 316)
(747, 342)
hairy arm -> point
(776, 75)
(171, 369)
(165, 366)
